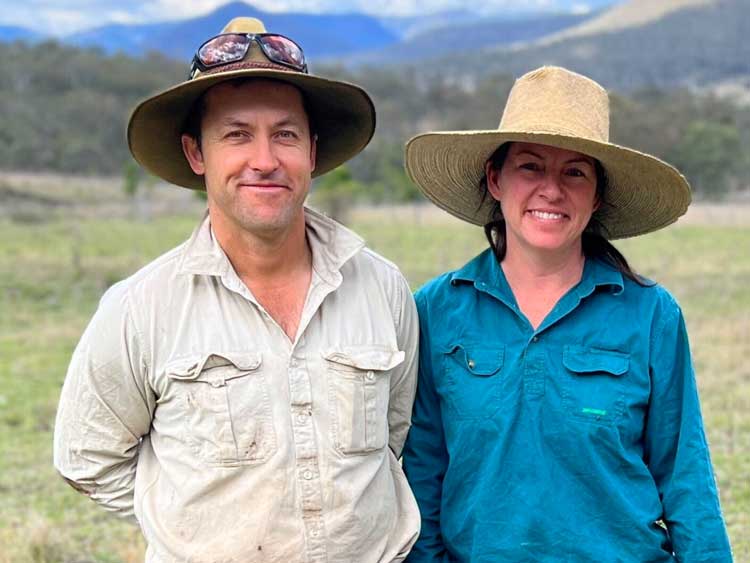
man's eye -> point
(286, 134)
(236, 134)
(530, 166)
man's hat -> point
(556, 107)
(343, 114)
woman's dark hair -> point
(593, 242)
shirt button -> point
(293, 363)
(370, 376)
(472, 364)
(535, 339)
(302, 418)
(307, 474)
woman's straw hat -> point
(343, 114)
(556, 107)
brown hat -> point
(343, 114)
(556, 107)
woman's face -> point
(547, 197)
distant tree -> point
(137, 186)
(710, 155)
(336, 192)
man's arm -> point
(404, 377)
(676, 449)
(105, 407)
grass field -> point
(52, 274)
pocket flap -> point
(478, 359)
(191, 367)
(587, 361)
(368, 358)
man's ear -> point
(313, 151)
(192, 151)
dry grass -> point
(51, 277)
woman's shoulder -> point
(649, 294)
(442, 286)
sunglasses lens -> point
(283, 50)
(224, 49)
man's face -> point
(256, 155)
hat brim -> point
(343, 114)
(643, 194)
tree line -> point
(64, 109)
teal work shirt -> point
(580, 441)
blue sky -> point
(59, 17)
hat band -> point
(245, 65)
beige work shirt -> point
(187, 406)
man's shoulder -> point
(155, 276)
(379, 262)
(372, 267)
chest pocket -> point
(473, 379)
(358, 394)
(222, 401)
(594, 384)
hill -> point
(687, 43)
(14, 33)
(319, 35)
(466, 36)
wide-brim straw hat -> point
(343, 114)
(556, 107)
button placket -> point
(306, 455)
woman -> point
(557, 417)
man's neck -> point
(264, 258)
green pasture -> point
(53, 273)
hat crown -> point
(244, 25)
(555, 100)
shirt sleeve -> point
(676, 449)
(425, 454)
(105, 408)
(404, 377)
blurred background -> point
(77, 214)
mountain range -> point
(626, 44)
(343, 36)
(636, 45)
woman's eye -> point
(576, 172)
(533, 166)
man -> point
(246, 395)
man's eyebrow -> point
(283, 122)
(233, 122)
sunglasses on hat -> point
(232, 47)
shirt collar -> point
(484, 271)
(331, 243)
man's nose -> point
(262, 157)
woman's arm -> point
(425, 456)
(676, 450)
